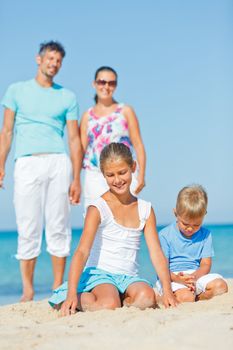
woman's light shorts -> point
(92, 277)
(201, 283)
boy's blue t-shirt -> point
(40, 116)
(185, 253)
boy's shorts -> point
(92, 277)
(201, 283)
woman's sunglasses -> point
(110, 83)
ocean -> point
(10, 283)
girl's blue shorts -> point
(92, 277)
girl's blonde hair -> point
(192, 201)
(115, 151)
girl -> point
(102, 124)
(109, 245)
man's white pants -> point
(41, 194)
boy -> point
(188, 248)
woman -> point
(108, 121)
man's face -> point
(49, 63)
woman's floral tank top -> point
(101, 131)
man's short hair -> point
(51, 46)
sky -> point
(174, 62)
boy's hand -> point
(188, 280)
(169, 299)
(69, 306)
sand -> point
(202, 325)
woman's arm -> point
(136, 139)
(158, 259)
(79, 259)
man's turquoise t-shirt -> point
(40, 116)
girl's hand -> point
(169, 300)
(69, 306)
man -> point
(38, 110)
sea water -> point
(10, 282)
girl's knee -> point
(109, 303)
(145, 298)
(86, 301)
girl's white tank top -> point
(115, 247)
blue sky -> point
(174, 60)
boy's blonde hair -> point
(192, 201)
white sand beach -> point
(202, 325)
